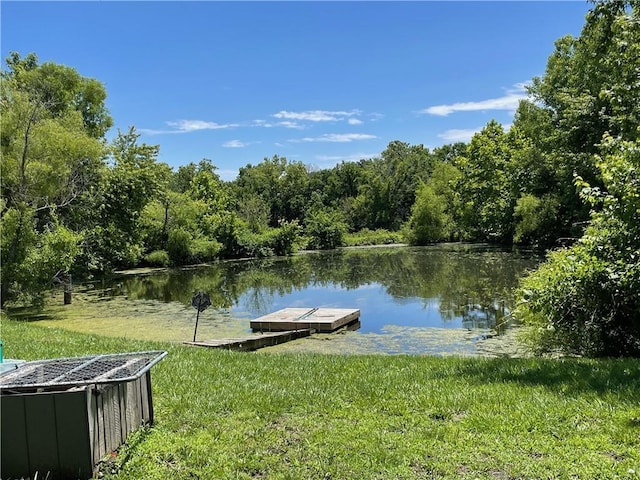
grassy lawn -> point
(311, 416)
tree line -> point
(565, 174)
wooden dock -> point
(255, 341)
(318, 319)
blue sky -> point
(316, 82)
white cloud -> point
(353, 157)
(459, 135)
(234, 144)
(509, 101)
(317, 115)
(337, 137)
(354, 121)
(195, 125)
(286, 124)
(465, 135)
(262, 123)
(187, 126)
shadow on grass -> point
(571, 376)
(30, 314)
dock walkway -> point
(253, 342)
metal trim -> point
(7, 377)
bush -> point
(373, 237)
(179, 246)
(536, 219)
(286, 238)
(251, 244)
(429, 222)
(325, 229)
(586, 299)
(234, 236)
(157, 258)
(204, 250)
(274, 241)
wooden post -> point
(67, 292)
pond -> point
(438, 300)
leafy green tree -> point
(404, 166)
(181, 179)
(262, 181)
(485, 186)
(62, 89)
(286, 238)
(293, 192)
(591, 82)
(255, 212)
(449, 153)
(344, 181)
(372, 208)
(535, 220)
(179, 246)
(590, 87)
(432, 215)
(428, 222)
(50, 161)
(585, 299)
(134, 180)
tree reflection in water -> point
(444, 286)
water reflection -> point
(446, 286)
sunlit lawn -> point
(312, 416)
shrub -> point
(251, 244)
(325, 229)
(286, 238)
(233, 234)
(536, 219)
(179, 246)
(429, 222)
(373, 237)
(204, 250)
(586, 299)
(157, 258)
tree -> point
(590, 87)
(132, 181)
(436, 202)
(62, 89)
(485, 186)
(262, 180)
(293, 192)
(50, 161)
(404, 166)
(585, 299)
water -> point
(445, 299)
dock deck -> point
(318, 319)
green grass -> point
(309, 416)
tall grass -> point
(232, 415)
